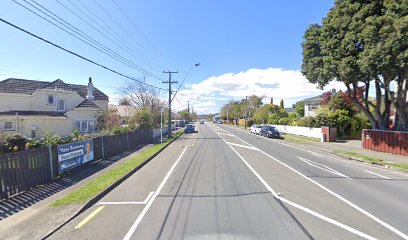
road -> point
(225, 183)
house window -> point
(8, 126)
(50, 99)
(312, 107)
(85, 126)
(61, 105)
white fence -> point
(302, 131)
(156, 131)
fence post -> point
(103, 149)
(51, 162)
(127, 137)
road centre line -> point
(323, 167)
(376, 174)
(270, 189)
(127, 203)
(89, 217)
(386, 225)
(150, 202)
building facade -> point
(36, 109)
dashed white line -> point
(378, 175)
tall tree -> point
(363, 44)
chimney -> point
(90, 95)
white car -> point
(256, 129)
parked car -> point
(270, 131)
(253, 128)
(189, 128)
(202, 121)
(220, 122)
(256, 129)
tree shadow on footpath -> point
(28, 198)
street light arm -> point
(196, 65)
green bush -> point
(283, 121)
(16, 142)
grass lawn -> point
(102, 182)
(373, 159)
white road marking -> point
(150, 202)
(386, 225)
(270, 189)
(225, 134)
(333, 157)
(378, 175)
(323, 167)
(128, 203)
(243, 146)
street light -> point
(188, 72)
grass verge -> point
(102, 182)
(373, 159)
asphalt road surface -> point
(224, 183)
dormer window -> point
(50, 99)
(61, 105)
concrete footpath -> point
(31, 211)
(350, 146)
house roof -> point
(24, 86)
(33, 113)
(315, 98)
(87, 104)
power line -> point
(76, 54)
(146, 61)
(121, 59)
(70, 10)
(141, 33)
(124, 30)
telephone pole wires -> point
(170, 100)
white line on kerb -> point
(146, 208)
(270, 189)
(127, 203)
(378, 175)
(386, 225)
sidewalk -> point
(31, 211)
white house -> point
(36, 108)
(311, 105)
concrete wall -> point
(156, 132)
(301, 131)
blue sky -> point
(244, 47)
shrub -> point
(16, 142)
(283, 121)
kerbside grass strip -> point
(102, 182)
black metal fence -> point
(23, 170)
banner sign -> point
(74, 154)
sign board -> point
(74, 154)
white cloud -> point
(211, 94)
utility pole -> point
(192, 114)
(188, 107)
(169, 82)
(246, 106)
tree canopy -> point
(363, 44)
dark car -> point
(270, 131)
(189, 128)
